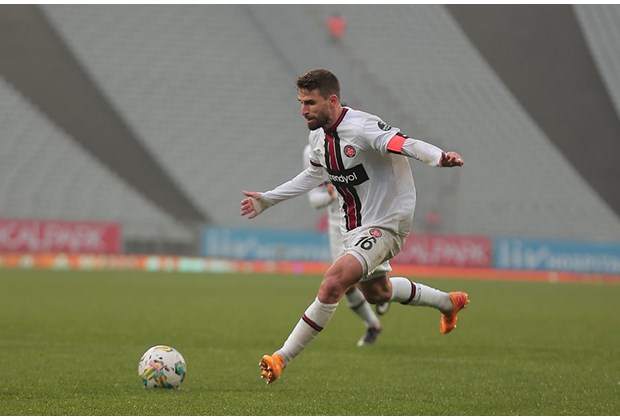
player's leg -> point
(354, 297)
(342, 274)
(378, 287)
(373, 248)
(401, 289)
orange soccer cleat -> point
(448, 320)
(271, 367)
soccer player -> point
(366, 160)
(325, 196)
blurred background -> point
(149, 120)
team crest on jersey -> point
(349, 151)
(383, 126)
(375, 232)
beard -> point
(317, 122)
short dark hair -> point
(324, 80)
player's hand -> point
(251, 205)
(331, 190)
(450, 159)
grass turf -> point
(72, 341)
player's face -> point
(315, 108)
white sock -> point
(358, 304)
(311, 323)
(410, 293)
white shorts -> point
(373, 247)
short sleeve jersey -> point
(374, 182)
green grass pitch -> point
(71, 343)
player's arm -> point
(257, 202)
(391, 140)
(423, 151)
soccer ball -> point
(162, 367)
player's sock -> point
(410, 293)
(358, 304)
(311, 323)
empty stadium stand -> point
(209, 91)
(601, 26)
(46, 176)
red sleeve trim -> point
(313, 163)
(395, 145)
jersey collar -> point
(332, 129)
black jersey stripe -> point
(333, 158)
(330, 153)
(338, 151)
(350, 195)
(351, 206)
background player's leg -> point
(358, 304)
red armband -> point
(395, 145)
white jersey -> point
(363, 158)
